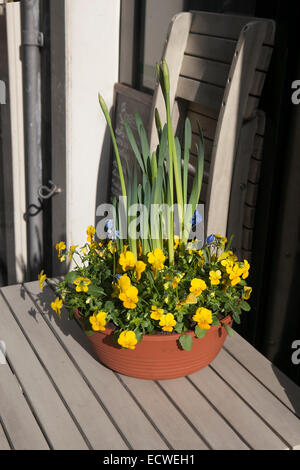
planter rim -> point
(158, 337)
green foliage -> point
(186, 342)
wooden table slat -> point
(166, 417)
(204, 417)
(71, 401)
(23, 430)
(138, 430)
(81, 402)
(4, 444)
(277, 415)
(277, 382)
(55, 419)
(243, 419)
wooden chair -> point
(218, 64)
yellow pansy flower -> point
(124, 283)
(156, 258)
(228, 255)
(214, 277)
(72, 250)
(127, 339)
(176, 242)
(203, 317)
(246, 269)
(82, 284)
(139, 269)
(197, 287)
(156, 313)
(167, 322)
(140, 248)
(90, 233)
(191, 299)
(247, 292)
(111, 246)
(60, 247)
(227, 264)
(127, 260)
(235, 275)
(222, 240)
(84, 250)
(116, 290)
(202, 259)
(98, 321)
(57, 305)
(42, 278)
(129, 297)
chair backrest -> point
(218, 64)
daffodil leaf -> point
(245, 306)
(70, 277)
(186, 342)
(200, 333)
(229, 330)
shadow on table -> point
(291, 389)
(67, 327)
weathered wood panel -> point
(238, 414)
(94, 423)
(207, 420)
(165, 416)
(16, 415)
(45, 401)
(226, 26)
(265, 404)
(138, 430)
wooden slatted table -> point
(54, 394)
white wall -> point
(92, 58)
(13, 22)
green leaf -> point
(187, 148)
(133, 144)
(186, 342)
(158, 123)
(245, 306)
(236, 318)
(229, 330)
(178, 327)
(200, 333)
(109, 306)
(89, 332)
(143, 139)
(95, 291)
(70, 277)
(138, 335)
(115, 146)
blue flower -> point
(117, 276)
(111, 231)
(210, 239)
(196, 220)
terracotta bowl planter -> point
(158, 357)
